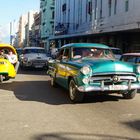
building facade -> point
(28, 28)
(47, 21)
(21, 30)
(112, 22)
(36, 30)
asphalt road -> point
(30, 109)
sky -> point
(10, 11)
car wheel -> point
(130, 94)
(1, 78)
(6, 78)
(74, 94)
(21, 65)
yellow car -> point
(8, 62)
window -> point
(129, 58)
(109, 5)
(60, 54)
(53, 14)
(138, 60)
(95, 13)
(64, 7)
(101, 9)
(115, 7)
(66, 54)
(79, 12)
(89, 9)
(126, 5)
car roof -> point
(19, 48)
(96, 45)
(133, 54)
(113, 48)
(33, 48)
(5, 45)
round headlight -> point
(85, 80)
(25, 59)
(139, 79)
(86, 70)
(138, 69)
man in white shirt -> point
(12, 57)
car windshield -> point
(34, 51)
(92, 52)
(131, 58)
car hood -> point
(36, 56)
(103, 66)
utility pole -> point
(11, 33)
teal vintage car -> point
(92, 68)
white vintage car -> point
(34, 57)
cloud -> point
(4, 31)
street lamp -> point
(12, 30)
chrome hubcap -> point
(52, 81)
(72, 90)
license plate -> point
(117, 87)
(38, 66)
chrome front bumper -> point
(35, 64)
(108, 88)
(111, 82)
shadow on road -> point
(133, 124)
(79, 136)
(32, 71)
(41, 91)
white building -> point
(25, 24)
(28, 27)
(113, 22)
(21, 30)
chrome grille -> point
(42, 62)
(113, 77)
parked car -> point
(117, 52)
(34, 57)
(89, 67)
(131, 57)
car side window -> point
(124, 58)
(138, 60)
(66, 54)
(60, 54)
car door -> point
(61, 67)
